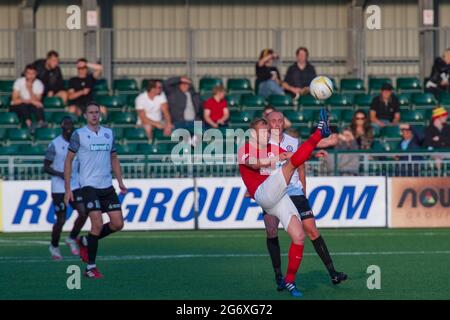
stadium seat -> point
(444, 99)
(9, 150)
(122, 119)
(53, 104)
(390, 132)
(310, 101)
(340, 101)
(126, 148)
(159, 137)
(18, 136)
(45, 135)
(281, 102)
(404, 100)
(352, 85)
(4, 103)
(424, 100)
(56, 117)
(303, 131)
(241, 118)
(208, 84)
(101, 87)
(135, 135)
(232, 101)
(6, 87)
(125, 86)
(9, 120)
(408, 84)
(347, 116)
(239, 86)
(118, 134)
(362, 100)
(300, 117)
(413, 117)
(375, 84)
(335, 116)
(112, 103)
(36, 150)
(252, 102)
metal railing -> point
(420, 163)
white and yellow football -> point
(321, 88)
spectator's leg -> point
(104, 110)
(148, 130)
(63, 95)
(74, 109)
(23, 112)
(38, 113)
(263, 89)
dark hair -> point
(52, 53)
(257, 121)
(302, 49)
(152, 84)
(92, 103)
(265, 53)
(30, 67)
(82, 60)
(368, 130)
(66, 118)
(269, 107)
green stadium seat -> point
(444, 99)
(204, 97)
(112, 103)
(45, 135)
(241, 118)
(239, 86)
(408, 84)
(232, 101)
(36, 150)
(56, 117)
(5, 102)
(207, 84)
(379, 146)
(335, 116)
(126, 148)
(310, 101)
(335, 86)
(424, 100)
(101, 87)
(252, 102)
(347, 116)
(118, 133)
(413, 117)
(300, 117)
(66, 84)
(281, 102)
(6, 87)
(18, 136)
(122, 119)
(362, 100)
(135, 135)
(9, 120)
(390, 132)
(404, 100)
(9, 150)
(159, 137)
(340, 101)
(375, 84)
(352, 85)
(53, 103)
(125, 86)
(303, 131)
(392, 145)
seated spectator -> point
(437, 134)
(81, 87)
(328, 144)
(268, 76)
(184, 102)
(439, 77)
(348, 163)
(385, 108)
(300, 74)
(27, 96)
(215, 110)
(362, 130)
(49, 72)
(153, 110)
(411, 140)
(269, 109)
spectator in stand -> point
(215, 110)
(411, 140)
(81, 87)
(300, 74)
(49, 72)
(362, 130)
(268, 76)
(437, 134)
(184, 102)
(440, 73)
(153, 110)
(348, 163)
(385, 108)
(269, 109)
(27, 96)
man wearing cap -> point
(385, 108)
(437, 135)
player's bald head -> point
(274, 115)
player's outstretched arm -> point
(68, 196)
(115, 164)
(48, 169)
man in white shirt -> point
(153, 110)
(26, 97)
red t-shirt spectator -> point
(216, 108)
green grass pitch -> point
(230, 264)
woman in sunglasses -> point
(362, 130)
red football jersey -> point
(253, 178)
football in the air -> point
(321, 88)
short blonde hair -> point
(217, 89)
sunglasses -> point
(360, 118)
(81, 68)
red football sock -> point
(294, 259)
(306, 148)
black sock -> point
(273, 245)
(92, 241)
(106, 231)
(322, 251)
(56, 231)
